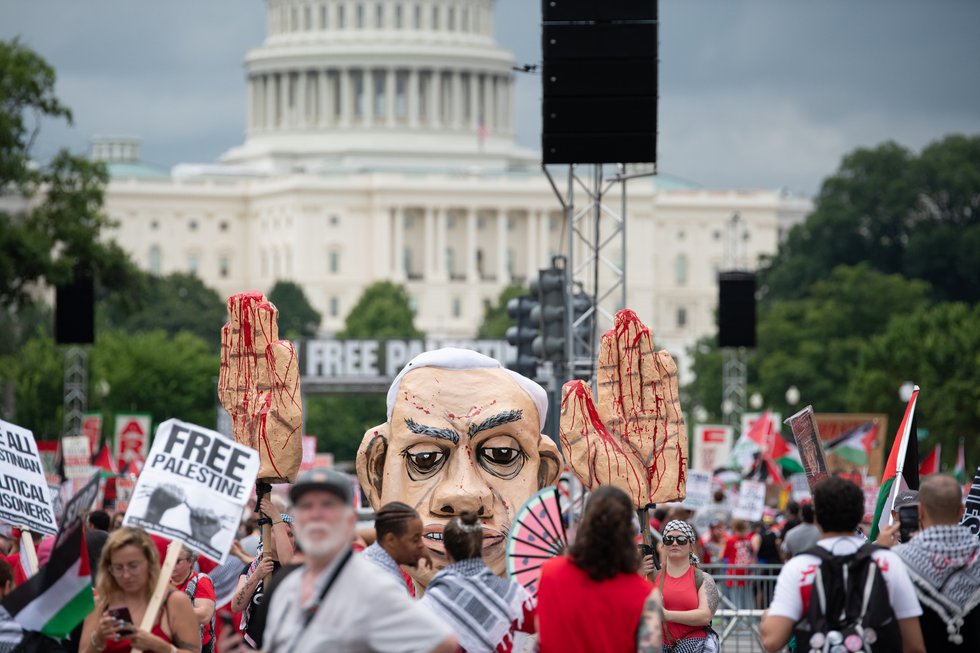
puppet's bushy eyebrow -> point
(432, 431)
(499, 419)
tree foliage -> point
(939, 349)
(496, 321)
(297, 318)
(59, 227)
(918, 216)
(339, 421)
(172, 303)
(383, 311)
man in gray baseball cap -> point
(337, 599)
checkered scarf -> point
(687, 530)
(944, 564)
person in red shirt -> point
(688, 603)
(741, 551)
(592, 600)
(200, 590)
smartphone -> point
(645, 550)
(120, 614)
(908, 522)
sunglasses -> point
(680, 539)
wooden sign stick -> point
(27, 544)
(156, 600)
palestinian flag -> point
(855, 445)
(930, 464)
(790, 461)
(59, 596)
(103, 460)
(959, 472)
(902, 471)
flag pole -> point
(156, 600)
(27, 544)
(903, 445)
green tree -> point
(705, 389)
(496, 321)
(383, 311)
(913, 215)
(297, 318)
(59, 226)
(172, 303)
(340, 421)
(937, 348)
(154, 372)
(36, 373)
(814, 342)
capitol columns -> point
(299, 110)
(391, 80)
(533, 217)
(269, 90)
(472, 274)
(474, 101)
(283, 93)
(441, 215)
(435, 96)
(428, 244)
(487, 113)
(397, 221)
(503, 274)
(412, 97)
(325, 114)
(346, 97)
(367, 88)
(457, 104)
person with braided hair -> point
(487, 613)
(592, 600)
(399, 542)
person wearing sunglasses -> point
(689, 595)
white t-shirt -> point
(364, 611)
(791, 598)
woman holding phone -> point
(129, 570)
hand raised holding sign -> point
(635, 438)
(259, 386)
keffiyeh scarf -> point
(483, 608)
(944, 564)
(376, 554)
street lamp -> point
(755, 401)
(792, 395)
(700, 414)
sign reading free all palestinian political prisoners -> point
(193, 487)
(24, 498)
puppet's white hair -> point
(451, 358)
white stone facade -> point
(415, 181)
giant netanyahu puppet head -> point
(463, 433)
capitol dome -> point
(379, 84)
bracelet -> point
(96, 646)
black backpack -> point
(849, 606)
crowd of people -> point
(321, 583)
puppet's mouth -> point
(433, 536)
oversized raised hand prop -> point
(635, 438)
(259, 386)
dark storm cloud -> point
(753, 93)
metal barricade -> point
(746, 592)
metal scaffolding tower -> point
(76, 389)
(595, 233)
(734, 372)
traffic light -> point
(522, 335)
(549, 314)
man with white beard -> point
(339, 601)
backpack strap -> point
(698, 579)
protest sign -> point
(870, 500)
(309, 452)
(193, 487)
(57, 505)
(24, 499)
(809, 446)
(92, 429)
(132, 438)
(124, 493)
(698, 490)
(751, 501)
(971, 516)
(712, 446)
(78, 504)
(801, 489)
(76, 454)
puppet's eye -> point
(424, 460)
(502, 456)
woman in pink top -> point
(689, 595)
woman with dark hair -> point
(486, 612)
(592, 600)
(129, 569)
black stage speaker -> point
(736, 309)
(599, 81)
(74, 311)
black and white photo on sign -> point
(193, 487)
(25, 500)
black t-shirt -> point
(256, 619)
(936, 638)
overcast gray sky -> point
(754, 93)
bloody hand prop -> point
(634, 439)
(259, 386)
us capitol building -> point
(379, 145)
